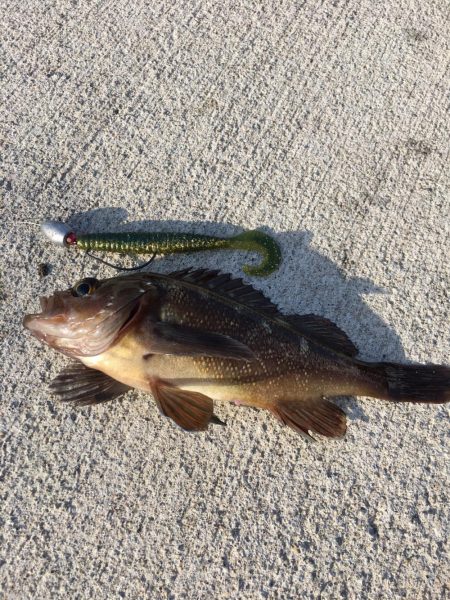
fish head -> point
(88, 318)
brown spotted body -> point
(192, 337)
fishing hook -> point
(118, 267)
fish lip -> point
(26, 321)
(52, 307)
(43, 300)
(32, 321)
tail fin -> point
(412, 383)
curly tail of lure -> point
(170, 243)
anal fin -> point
(316, 415)
(192, 411)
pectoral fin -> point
(82, 386)
(316, 415)
(169, 338)
(192, 411)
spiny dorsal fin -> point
(225, 285)
(323, 331)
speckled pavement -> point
(324, 123)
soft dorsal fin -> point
(322, 331)
(225, 285)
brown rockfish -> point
(195, 336)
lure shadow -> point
(306, 282)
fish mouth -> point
(28, 320)
(51, 307)
(43, 300)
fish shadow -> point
(306, 282)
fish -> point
(197, 336)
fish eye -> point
(85, 287)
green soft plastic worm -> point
(170, 243)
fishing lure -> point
(168, 243)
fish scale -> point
(249, 327)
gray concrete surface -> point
(326, 123)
